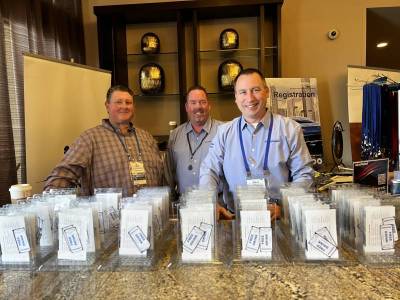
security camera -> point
(333, 34)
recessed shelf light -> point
(382, 44)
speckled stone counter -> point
(170, 280)
(215, 282)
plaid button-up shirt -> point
(97, 159)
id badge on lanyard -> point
(138, 173)
(264, 181)
(136, 167)
(255, 182)
(259, 181)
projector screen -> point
(62, 99)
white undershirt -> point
(254, 125)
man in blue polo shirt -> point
(258, 147)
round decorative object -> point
(229, 39)
(227, 73)
(151, 79)
(150, 43)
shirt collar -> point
(106, 123)
(265, 120)
(206, 127)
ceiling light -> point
(382, 44)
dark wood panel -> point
(104, 30)
(355, 140)
(196, 45)
(261, 38)
(120, 54)
(162, 12)
(277, 41)
(180, 28)
(112, 21)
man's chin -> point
(199, 122)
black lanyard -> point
(246, 164)
(192, 153)
(123, 143)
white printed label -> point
(324, 232)
(193, 239)
(256, 182)
(387, 238)
(21, 240)
(391, 221)
(253, 241)
(323, 245)
(139, 238)
(72, 238)
(206, 237)
(265, 239)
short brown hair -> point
(249, 71)
(119, 87)
(194, 88)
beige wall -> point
(306, 50)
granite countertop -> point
(215, 282)
(170, 280)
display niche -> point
(185, 43)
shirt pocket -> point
(278, 153)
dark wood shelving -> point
(188, 16)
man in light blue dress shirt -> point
(188, 144)
(257, 147)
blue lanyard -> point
(246, 164)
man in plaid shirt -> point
(113, 154)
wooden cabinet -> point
(189, 36)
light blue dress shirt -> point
(179, 157)
(288, 159)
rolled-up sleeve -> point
(300, 161)
(70, 170)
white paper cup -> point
(20, 191)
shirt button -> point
(195, 161)
(252, 150)
(253, 165)
(194, 173)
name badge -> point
(193, 239)
(323, 245)
(139, 238)
(21, 240)
(113, 217)
(265, 239)
(253, 241)
(256, 182)
(391, 221)
(138, 172)
(387, 237)
(203, 244)
(72, 238)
